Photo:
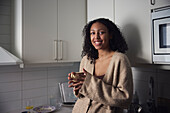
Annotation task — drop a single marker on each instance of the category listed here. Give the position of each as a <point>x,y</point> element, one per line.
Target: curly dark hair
<point>117,42</point>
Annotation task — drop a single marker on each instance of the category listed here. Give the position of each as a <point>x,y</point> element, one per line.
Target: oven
<point>161,35</point>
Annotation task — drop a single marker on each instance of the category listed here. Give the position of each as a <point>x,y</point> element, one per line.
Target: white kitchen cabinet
<point>71,20</point>
<point>159,3</point>
<point>51,30</point>
<point>100,9</point>
<point>133,19</point>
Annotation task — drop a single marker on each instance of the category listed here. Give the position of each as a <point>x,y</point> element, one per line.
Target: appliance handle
<point>152,2</point>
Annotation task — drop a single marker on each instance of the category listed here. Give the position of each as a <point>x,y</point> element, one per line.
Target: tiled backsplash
<point>38,84</point>
<point>5,24</point>
<point>141,79</point>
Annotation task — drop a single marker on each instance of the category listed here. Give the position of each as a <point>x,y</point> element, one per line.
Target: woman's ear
<point>110,36</point>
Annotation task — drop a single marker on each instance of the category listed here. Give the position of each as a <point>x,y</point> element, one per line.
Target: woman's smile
<point>98,43</point>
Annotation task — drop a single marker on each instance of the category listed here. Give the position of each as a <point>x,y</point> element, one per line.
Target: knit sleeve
<point>82,63</point>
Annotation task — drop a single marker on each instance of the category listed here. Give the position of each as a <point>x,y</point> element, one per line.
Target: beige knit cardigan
<point>111,94</point>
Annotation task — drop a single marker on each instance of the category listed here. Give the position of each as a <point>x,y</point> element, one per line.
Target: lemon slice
<point>29,107</point>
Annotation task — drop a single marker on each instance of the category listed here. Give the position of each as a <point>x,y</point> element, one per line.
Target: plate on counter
<point>44,109</point>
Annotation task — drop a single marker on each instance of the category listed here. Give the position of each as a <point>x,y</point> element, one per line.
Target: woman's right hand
<point>77,81</point>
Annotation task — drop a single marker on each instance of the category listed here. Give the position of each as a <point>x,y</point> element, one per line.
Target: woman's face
<point>99,36</point>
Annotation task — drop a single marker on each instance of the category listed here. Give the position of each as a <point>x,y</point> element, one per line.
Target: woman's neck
<point>104,54</point>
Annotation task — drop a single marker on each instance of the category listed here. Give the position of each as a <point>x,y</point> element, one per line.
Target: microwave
<point>161,35</point>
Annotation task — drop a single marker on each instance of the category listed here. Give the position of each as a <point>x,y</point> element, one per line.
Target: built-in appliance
<point>161,35</point>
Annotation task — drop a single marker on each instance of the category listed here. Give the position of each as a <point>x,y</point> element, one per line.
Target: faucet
<point>151,101</point>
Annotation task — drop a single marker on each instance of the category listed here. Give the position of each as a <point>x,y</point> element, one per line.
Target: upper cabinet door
<point>100,9</point>
<point>133,18</point>
<point>51,30</point>
<point>71,20</point>
<point>39,30</point>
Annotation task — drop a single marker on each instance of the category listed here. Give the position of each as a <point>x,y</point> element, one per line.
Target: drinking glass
<point>29,105</point>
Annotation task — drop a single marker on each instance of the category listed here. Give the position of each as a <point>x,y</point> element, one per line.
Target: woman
<point>106,86</point>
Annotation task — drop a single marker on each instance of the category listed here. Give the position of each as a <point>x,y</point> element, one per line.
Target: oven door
<point>161,36</point>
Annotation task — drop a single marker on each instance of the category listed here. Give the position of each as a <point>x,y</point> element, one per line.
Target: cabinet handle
<point>152,2</point>
<point>61,50</point>
<point>55,50</point>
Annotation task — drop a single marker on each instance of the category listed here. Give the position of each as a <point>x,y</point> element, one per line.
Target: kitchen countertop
<point>64,109</point>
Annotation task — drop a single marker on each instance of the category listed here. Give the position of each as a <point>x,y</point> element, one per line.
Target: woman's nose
<point>97,36</point>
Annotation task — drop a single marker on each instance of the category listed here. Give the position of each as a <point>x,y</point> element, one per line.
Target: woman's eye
<point>102,32</point>
<point>92,33</point>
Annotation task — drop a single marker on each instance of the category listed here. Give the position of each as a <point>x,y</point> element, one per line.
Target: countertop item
<point>44,109</point>
<point>63,109</point>
<point>67,93</point>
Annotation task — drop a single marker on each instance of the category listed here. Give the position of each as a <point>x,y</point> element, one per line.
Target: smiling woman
<point>116,40</point>
<point>98,35</point>
<point>107,86</point>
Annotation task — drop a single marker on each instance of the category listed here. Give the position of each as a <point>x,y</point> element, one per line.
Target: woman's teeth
<point>98,43</point>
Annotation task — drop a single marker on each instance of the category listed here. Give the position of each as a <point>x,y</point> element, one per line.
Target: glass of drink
<point>29,105</point>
